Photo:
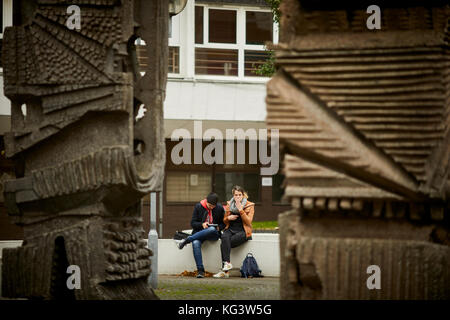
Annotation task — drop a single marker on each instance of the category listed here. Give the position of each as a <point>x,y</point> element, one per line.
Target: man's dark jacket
<point>199,216</point>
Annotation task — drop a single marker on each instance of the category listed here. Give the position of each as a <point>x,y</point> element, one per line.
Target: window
<point>187,186</point>
<point>174,60</point>
<point>225,181</point>
<point>216,62</point>
<point>174,45</point>
<point>254,59</point>
<point>259,27</point>
<point>230,42</point>
<point>6,7</point>
<point>142,57</point>
<point>193,182</point>
<point>277,187</point>
<point>192,186</point>
<point>5,21</point>
<point>222,26</point>
<point>198,24</point>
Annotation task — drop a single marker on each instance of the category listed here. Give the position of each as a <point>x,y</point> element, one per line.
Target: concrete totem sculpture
<point>364,119</point>
<point>83,162</point>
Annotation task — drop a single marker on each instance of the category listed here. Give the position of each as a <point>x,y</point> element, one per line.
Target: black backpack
<point>250,267</point>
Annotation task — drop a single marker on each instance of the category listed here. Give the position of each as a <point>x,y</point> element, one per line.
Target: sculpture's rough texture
<point>82,160</point>
<point>364,122</point>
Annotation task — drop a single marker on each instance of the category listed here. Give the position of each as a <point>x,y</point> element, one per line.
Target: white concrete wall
<point>208,100</point>
<point>5,107</point>
<point>5,104</point>
<point>265,249</point>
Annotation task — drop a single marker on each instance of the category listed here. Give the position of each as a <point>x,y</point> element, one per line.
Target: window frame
<point>7,19</point>
<point>194,171</point>
<point>174,41</point>
<point>210,169</point>
<point>240,44</point>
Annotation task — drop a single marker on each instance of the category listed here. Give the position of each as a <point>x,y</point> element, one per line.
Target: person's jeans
<point>197,239</point>
<point>231,239</point>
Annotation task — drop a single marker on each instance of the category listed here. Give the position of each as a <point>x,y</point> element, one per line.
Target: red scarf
<point>209,218</point>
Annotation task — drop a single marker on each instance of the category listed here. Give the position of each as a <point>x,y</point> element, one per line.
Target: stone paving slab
<point>233,288</point>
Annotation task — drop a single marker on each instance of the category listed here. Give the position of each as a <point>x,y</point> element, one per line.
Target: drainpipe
<point>153,242</point>
<point>161,213</point>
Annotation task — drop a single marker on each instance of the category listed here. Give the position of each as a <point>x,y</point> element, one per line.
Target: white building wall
<point>5,105</point>
<point>190,97</point>
<point>206,100</point>
<point>202,97</point>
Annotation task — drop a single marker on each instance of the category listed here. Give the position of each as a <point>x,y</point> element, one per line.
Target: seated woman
<point>238,226</point>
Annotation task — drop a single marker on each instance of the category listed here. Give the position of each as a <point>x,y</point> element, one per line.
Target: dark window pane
<point>174,60</point>
<point>1,44</point>
<point>258,27</point>
<point>253,59</point>
<point>222,26</point>
<point>216,62</point>
<point>277,187</point>
<point>198,24</point>
<point>224,182</point>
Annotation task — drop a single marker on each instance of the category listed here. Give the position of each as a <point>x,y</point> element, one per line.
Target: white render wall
<point>264,247</point>
<point>5,105</point>
<point>214,100</point>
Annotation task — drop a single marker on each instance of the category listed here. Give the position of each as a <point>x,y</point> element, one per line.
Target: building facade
<point>215,104</point>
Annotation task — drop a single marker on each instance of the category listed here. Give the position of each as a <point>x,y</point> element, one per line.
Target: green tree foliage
<point>268,68</point>
<point>275,7</point>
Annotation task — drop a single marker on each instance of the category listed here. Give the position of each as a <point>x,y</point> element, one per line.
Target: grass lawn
<point>266,225</point>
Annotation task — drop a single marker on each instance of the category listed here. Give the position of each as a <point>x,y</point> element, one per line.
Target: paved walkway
<point>233,288</point>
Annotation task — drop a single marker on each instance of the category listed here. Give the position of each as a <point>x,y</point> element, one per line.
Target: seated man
<point>207,212</point>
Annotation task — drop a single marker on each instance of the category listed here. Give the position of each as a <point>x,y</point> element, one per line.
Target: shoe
<point>227,266</point>
<point>221,274</point>
<point>182,243</point>
<point>200,274</point>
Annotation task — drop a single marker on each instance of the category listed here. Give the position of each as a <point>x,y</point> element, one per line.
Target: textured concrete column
<point>363,119</point>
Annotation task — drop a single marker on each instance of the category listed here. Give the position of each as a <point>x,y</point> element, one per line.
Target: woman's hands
<point>238,203</point>
<point>232,217</point>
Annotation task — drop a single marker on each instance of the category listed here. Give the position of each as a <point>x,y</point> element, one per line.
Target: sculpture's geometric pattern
<point>363,116</point>
<point>83,161</point>
<point>342,263</point>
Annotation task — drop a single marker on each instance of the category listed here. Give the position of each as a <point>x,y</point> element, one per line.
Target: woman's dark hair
<point>212,198</point>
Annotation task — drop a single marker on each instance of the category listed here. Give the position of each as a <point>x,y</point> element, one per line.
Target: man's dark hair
<point>212,198</point>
